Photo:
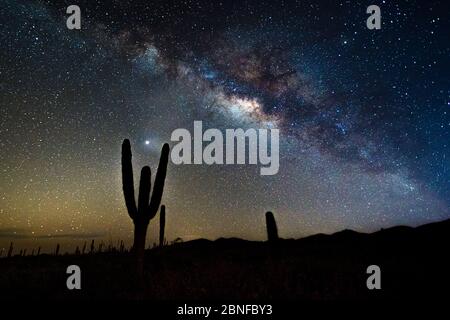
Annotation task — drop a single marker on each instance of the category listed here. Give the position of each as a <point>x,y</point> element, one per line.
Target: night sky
<point>364,115</point>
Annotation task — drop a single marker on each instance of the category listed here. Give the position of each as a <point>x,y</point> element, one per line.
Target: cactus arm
<point>127,179</point>
<point>144,192</point>
<point>159,181</point>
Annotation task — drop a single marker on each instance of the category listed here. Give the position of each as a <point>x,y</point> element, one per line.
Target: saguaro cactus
<point>272,231</point>
<point>145,210</point>
<point>162,224</point>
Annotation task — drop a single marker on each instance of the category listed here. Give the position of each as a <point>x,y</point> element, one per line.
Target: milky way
<point>363,114</point>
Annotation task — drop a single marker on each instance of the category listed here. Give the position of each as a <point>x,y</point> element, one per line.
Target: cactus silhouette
<point>272,231</point>
<point>10,251</point>
<point>162,224</point>
<point>147,206</point>
<point>57,250</point>
<point>39,251</point>
<point>92,246</point>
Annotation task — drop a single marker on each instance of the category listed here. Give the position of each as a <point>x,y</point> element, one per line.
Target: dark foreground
<point>413,264</point>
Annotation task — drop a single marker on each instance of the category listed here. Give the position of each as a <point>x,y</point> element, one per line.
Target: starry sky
<point>364,115</point>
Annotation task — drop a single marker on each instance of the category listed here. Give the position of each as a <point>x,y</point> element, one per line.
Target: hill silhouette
<point>413,264</point>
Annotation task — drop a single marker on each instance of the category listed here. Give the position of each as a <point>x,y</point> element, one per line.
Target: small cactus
<point>92,247</point>
<point>162,225</point>
<point>147,206</point>
<point>39,251</point>
<point>10,251</point>
<point>83,251</point>
<point>57,250</point>
<point>272,231</point>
